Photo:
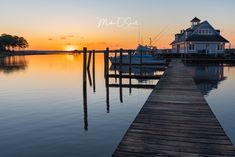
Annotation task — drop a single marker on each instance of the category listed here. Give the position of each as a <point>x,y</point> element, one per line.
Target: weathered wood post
<point>107,79</point>
<point>85,89</point>
<point>120,74</point>
<point>107,62</point>
<point>89,60</point>
<point>89,76</point>
<point>84,65</point>
<point>130,68</point>
<point>115,65</point>
<point>93,71</point>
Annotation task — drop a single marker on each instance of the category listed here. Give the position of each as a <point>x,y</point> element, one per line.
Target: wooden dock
<point>175,121</point>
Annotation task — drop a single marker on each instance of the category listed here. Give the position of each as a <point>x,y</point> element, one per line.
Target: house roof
<point>195,20</point>
<point>196,37</point>
<point>209,38</point>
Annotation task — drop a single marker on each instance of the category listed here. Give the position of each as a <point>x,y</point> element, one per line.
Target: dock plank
<point>176,121</point>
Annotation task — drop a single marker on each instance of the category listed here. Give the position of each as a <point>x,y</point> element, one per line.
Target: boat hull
<point>138,61</point>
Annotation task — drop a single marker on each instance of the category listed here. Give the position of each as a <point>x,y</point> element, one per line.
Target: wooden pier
<point>176,120</point>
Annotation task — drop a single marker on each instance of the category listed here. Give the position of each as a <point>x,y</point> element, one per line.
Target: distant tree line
<point>10,43</point>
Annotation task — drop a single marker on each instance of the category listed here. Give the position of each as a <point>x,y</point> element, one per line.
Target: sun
<point>71,48</point>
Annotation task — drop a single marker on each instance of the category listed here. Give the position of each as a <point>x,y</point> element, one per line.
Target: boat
<point>136,60</point>
<point>142,56</point>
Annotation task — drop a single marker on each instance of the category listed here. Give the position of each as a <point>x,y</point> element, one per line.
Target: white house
<point>200,38</point>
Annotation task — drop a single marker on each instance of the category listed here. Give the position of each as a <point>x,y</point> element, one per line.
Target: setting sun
<point>70,48</point>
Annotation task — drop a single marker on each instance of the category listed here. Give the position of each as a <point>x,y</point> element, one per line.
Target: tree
<point>8,42</point>
<point>22,43</point>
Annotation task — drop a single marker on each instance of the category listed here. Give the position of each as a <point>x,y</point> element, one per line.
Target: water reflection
<point>47,108</point>
<point>120,72</point>
<point>207,77</point>
<point>12,64</point>
<point>141,73</point>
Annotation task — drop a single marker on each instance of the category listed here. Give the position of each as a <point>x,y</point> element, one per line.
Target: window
<point>205,31</point>
<point>220,47</point>
<point>191,47</point>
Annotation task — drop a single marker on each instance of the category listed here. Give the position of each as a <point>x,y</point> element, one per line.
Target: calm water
<point>42,110</point>
<point>217,83</point>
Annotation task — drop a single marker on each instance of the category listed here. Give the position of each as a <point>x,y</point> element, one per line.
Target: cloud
<point>63,38</point>
<point>50,39</point>
<point>66,37</point>
<point>102,43</point>
<point>96,43</point>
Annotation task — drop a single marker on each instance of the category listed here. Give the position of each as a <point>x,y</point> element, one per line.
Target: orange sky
<point>68,25</point>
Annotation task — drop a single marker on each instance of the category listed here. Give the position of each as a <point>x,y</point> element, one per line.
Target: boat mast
<point>150,42</point>
<point>142,38</point>
<point>139,36</point>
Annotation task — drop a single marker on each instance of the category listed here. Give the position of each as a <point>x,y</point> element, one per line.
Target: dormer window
<point>205,32</point>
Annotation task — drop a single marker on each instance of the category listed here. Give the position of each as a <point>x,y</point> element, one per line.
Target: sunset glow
<point>70,25</point>
<point>70,48</point>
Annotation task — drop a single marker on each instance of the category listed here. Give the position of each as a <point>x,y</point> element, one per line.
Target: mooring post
<point>115,65</point>
<point>107,94</point>
<point>89,76</point>
<point>130,67</point>
<point>85,89</point>
<point>107,62</point>
<point>93,71</point>
<point>107,78</point>
<point>84,65</point>
<point>89,60</point>
<point>120,75</point>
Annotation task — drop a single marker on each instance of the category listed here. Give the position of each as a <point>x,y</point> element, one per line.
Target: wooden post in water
<point>89,60</point>
<point>107,79</point>
<point>115,65</point>
<point>130,68</point>
<point>89,76</point>
<point>93,71</point>
<point>107,62</point>
<point>120,75</point>
<point>88,68</point>
<point>85,89</point>
<point>84,65</point>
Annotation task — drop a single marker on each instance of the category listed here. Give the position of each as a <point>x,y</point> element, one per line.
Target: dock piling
<point>120,75</point>
<point>93,71</point>
<point>85,89</point>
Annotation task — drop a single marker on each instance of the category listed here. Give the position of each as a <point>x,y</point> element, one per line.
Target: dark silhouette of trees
<point>9,42</point>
